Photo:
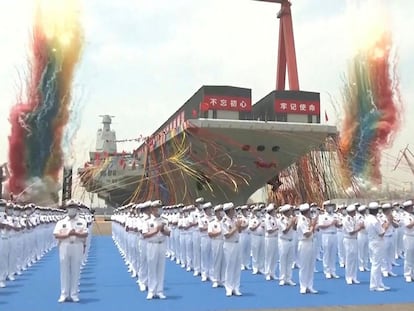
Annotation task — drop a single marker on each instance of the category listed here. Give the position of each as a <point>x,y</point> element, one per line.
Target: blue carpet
<point>106,285</point>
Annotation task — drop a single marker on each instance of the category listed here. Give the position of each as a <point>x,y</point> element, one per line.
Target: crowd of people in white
<point>217,242</point>
<point>28,232</point>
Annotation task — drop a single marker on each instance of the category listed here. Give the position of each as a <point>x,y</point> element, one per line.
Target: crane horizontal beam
<point>274,1</point>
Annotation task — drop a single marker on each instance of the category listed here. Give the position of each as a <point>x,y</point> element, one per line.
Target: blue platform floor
<point>106,285</point>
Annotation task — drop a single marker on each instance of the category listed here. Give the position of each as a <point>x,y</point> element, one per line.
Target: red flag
<point>326,117</point>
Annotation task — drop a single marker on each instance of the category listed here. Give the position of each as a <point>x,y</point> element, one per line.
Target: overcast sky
<point>143,59</point>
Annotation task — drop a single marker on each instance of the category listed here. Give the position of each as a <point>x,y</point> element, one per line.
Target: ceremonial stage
<point>106,286</point>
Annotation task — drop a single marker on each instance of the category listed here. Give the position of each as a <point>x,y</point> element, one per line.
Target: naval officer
<point>351,227</point>
<point>71,232</point>
<point>305,229</point>
<point>375,233</point>
<point>232,251</point>
<point>155,231</point>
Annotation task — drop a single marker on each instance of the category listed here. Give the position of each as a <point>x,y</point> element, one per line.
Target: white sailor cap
<point>207,205</point>
<point>342,206</point>
<point>386,206</point>
<point>256,208</point>
<point>304,207</point>
<point>408,203</point>
<point>328,203</point>
<point>71,203</point>
<point>218,208</point>
<point>396,204</point>
<point>199,200</point>
<point>284,208</point>
<point>156,203</point>
<point>270,207</point>
<point>362,208</point>
<point>244,207</point>
<point>373,205</point>
<point>228,206</point>
<point>146,204</point>
<point>351,208</point>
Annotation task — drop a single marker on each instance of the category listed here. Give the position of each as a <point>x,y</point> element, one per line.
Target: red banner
<point>232,103</point>
<point>291,106</point>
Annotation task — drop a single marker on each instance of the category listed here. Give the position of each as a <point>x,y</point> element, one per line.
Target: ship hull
<point>220,160</point>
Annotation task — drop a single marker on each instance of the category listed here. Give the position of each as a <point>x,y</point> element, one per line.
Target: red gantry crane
<point>286,59</point>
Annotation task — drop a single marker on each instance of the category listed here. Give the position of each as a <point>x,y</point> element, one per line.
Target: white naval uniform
<point>399,233</point>
<point>245,242</point>
<point>306,254</point>
<point>196,214</point>
<point>143,260</point>
<point>4,248</point>
<point>257,242</point>
<point>205,243</point>
<point>340,240</point>
<point>375,246</point>
<point>70,254</point>
<point>329,243</point>
<point>286,249</point>
<point>388,246</point>
<point>362,239</point>
<point>232,257</point>
<point>156,249</point>
<point>350,224</point>
<point>217,255</point>
<point>188,235</point>
<point>408,241</point>
<point>271,247</point>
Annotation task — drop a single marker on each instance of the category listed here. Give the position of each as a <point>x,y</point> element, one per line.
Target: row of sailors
<point>196,239</point>
<point>143,249</point>
<point>230,259</point>
<point>26,235</point>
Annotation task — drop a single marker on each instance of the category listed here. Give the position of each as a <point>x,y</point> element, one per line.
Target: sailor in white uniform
<point>143,260</point>
<point>205,241</point>
<point>196,214</point>
<point>389,240</point>
<point>328,223</point>
<point>155,230</point>
<point>351,227</point>
<point>257,232</point>
<point>306,254</point>
<point>287,228</point>
<point>71,232</point>
<point>4,243</point>
<point>408,222</point>
<point>362,239</point>
<point>341,213</point>
<point>232,251</point>
<point>215,232</point>
<point>375,232</point>
<point>271,241</point>
<point>245,241</point>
